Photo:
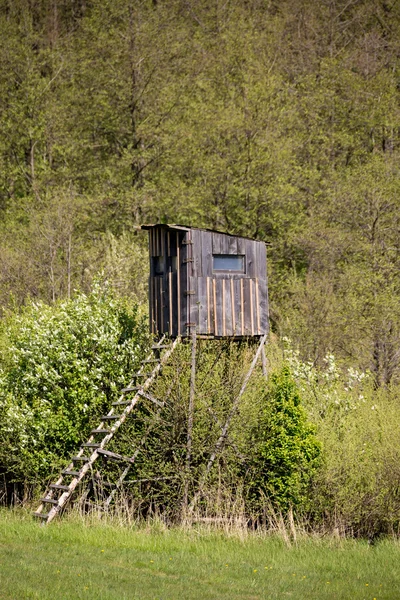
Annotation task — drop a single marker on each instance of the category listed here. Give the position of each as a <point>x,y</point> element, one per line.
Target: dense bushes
<point>323,442</point>
<point>60,367</point>
<point>270,455</point>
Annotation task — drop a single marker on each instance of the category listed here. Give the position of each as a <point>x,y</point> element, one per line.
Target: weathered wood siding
<point>185,292</point>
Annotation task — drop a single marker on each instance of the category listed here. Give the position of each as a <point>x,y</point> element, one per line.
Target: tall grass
<point>74,559</point>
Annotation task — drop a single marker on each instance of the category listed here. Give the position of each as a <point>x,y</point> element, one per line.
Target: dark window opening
<point>158,265</point>
<point>231,263</point>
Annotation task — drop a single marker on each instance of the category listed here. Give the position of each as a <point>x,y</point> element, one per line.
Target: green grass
<point>71,560</point>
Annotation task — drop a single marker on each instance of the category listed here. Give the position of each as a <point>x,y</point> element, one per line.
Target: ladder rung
<point>100,431</point>
<point>90,445</point>
<point>49,500</point>
<point>110,417</point>
<point>150,360</point>
<point>122,403</point>
<point>152,399</point>
<point>133,388</point>
<point>73,473</point>
<point>40,515</point>
<point>80,458</point>
<point>160,347</point>
<point>55,486</point>
<point>142,375</point>
<point>114,456</point>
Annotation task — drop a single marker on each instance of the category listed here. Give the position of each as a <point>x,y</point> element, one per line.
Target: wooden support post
<point>264,362</point>
<point>221,440</point>
<point>190,417</point>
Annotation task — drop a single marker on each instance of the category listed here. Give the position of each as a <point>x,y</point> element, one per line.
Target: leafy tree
<point>60,368</point>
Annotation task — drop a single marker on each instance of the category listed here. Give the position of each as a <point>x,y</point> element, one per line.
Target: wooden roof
<point>177,227</point>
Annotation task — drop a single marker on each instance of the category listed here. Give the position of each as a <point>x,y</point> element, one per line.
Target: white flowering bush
<point>60,368</point>
<point>329,387</point>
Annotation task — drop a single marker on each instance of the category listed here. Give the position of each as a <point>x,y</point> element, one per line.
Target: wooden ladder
<point>61,491</point>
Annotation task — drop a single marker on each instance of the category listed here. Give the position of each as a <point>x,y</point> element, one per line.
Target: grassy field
<point>72,560</point>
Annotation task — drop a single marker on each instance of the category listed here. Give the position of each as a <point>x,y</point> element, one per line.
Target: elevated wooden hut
<point>207,281</point>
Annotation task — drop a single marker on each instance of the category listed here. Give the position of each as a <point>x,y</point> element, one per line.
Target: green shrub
<point>60,367</point>
<point>286,452</point>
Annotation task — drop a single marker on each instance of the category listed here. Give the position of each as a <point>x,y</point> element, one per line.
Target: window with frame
<point>228,263</point>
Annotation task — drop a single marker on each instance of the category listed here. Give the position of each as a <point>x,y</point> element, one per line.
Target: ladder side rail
<point>125,472</point>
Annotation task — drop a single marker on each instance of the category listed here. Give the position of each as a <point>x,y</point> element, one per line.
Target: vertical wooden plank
<point>170,298</point>
<point>216,243</point>
<point>261,274</point>
<point>251,307</point>
<point>223,308</point>
<point>233,308</point>
<point>241,245</point>
<point>178,281</point>
<point>229,331</point>
<point>242,306</point>
<point>264,320</point>
<point>151,305</point>
<point>208,307</point>
<point>161,301</point>
<point>261,260</point>
<point>246,306</point>
<point>189,272</point>
<point>202,303</point>
<point>193,306</point>
<point>155,304</point>
<point>196,252</point>
<point>232,245</point>
<point>237,305</point>
<point>224,244</point>
<point>169,243</point>
<point>174,303</point>
<point>219,306</point>
<point>214,285</point>
<point>206,253</point>
<point>158,318</point>
<point>257,308</point>
<point>250,258</point>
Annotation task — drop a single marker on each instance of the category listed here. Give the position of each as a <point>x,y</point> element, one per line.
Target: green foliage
<point>60,367</point>
<point>356,490</point>
<point>286,453</point>
<point>273,120</point>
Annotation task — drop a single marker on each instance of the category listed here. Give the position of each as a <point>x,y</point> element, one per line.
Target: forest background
<point>277,120</point>
<point>274,120</point>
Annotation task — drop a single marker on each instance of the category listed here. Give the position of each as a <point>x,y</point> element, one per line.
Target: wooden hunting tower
<point>205,281</point>
<point>202,283</point>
